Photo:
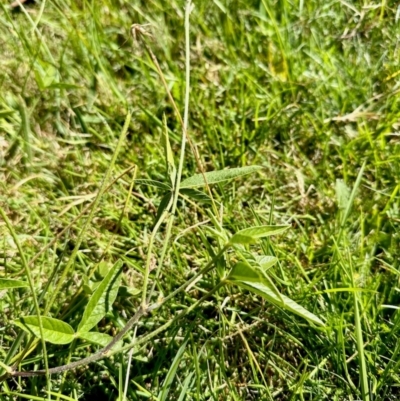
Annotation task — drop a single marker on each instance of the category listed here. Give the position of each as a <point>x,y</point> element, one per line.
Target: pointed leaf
<point>163,206</point>
<point>249,235</point>
<point>214,177</point>
<point>154,183</point>
<point>100,303</point>
<point>266,261</point>
<point>96,338</point>
<point>163,396</point>
<point>54,331</point>
<point>9,283</point>
<point>282,301</point>
<point>243,272</point>
<point>196,195</point>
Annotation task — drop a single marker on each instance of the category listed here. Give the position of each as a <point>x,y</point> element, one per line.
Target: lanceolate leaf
<point>266,261</point>
<point>154,183</point>
<point>9,283</point>
<point>196,195</point>
<point>54,331</point>
<point>96,338</point>
<point>282,301</point>
<point>249,235</point>
<point>165,202</point>
<point>243,272</point>
<point>214,177</point>
<point>102,299</point>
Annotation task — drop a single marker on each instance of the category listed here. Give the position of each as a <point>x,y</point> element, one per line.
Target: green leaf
<point>250,235</point>
<point>6,112</point>
<point>214,177</point>
<point>265,261</point>
<point>54,331</point>
<point>9,283</point>
<point>342,194</point>
<point>243,272</point>
<point>196,195</point>
<point>165,201</point>
<point>100,303</point>
<point>171,373</point>
<point>281,301</point>
<point>96,338</point>
<point>154,183</point>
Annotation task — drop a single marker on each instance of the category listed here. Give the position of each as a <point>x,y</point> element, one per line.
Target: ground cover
<point>308,91</point>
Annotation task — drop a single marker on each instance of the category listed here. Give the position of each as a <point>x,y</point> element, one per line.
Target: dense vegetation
<point>308,91</point>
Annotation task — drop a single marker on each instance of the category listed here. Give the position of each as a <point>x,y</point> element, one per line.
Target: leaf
<point>243,272</point>
<point>100,303</point>
<point>249,235</point>
<point>9,283</point>
<point>171,373</point>
<point>281,301</point>
<point>96,338</point>
<point>54,331</point>
<point>165,201</point>
<point>154,183</point>
<point>6,112</point>
<point>342,194</point>
<point>196,195</point>
<point>214,177</point>
<point>265,261</point>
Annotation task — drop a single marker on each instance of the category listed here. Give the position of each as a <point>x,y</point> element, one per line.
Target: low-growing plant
<point>233,256</point>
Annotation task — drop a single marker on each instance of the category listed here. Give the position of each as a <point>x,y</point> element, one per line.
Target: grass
<point>307,90</point>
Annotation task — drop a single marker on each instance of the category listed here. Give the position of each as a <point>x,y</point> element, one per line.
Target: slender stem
<point>150,253</point>
<point>185,125</point>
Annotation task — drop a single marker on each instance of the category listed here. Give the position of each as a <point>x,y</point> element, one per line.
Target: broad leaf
<point>281,301</point>
<point>96,338</point>
<point>214,177</point>
<point>154,183</point>
<point>100,303</point>
<point>196,195</point>
<point>265,261</point>
<point>54,331</point>
<point>250,235</point>
<point>243,272</point>
<point>9,283</point>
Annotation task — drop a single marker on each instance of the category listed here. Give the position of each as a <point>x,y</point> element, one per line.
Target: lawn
<point>201,202</point>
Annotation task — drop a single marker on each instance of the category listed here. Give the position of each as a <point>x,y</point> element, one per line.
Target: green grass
<point>307,90</point>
